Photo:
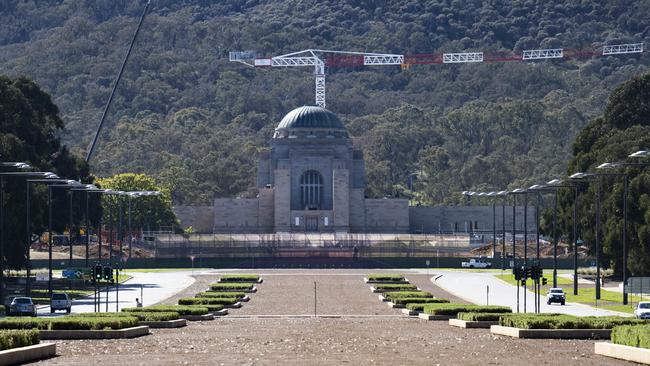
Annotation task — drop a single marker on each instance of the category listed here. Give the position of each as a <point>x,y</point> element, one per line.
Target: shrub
<point>560,321</point>
<point>69,323</point>
<point>415,307</point>
<point>478,317</point>
<point>141,316</point>
<point>17,338</point>
<point>212,308</point>
<point>3,309</point>
<point>454,309</point>
<point>632,335</point>
<point>72,293</point>
<point>237,295</point>
<point>207,301</point>
<point>231,286</point>
<point>385,277</point>
<point>395,287</point>
<point>416,300</point>
<point>240,278</point>
<point>180,309</point>
<point>406,294</point>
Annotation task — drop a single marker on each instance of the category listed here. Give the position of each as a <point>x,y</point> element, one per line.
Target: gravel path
<point>382,337</point>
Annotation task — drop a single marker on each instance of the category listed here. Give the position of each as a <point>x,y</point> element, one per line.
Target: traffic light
<point>108,273</point>
<point>97,272</point>
<point>544,281</point>
<point>529,272</point>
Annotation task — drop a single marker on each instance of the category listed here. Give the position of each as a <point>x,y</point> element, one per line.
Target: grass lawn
<point>156,270</point>
<point>609,300</point>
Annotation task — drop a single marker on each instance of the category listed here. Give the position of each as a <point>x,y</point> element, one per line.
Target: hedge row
<point>480,317</point>
<point>232,286</point>
<point>72,293</point>
<point>632,335</point>
<point>385,277</point>
<point>69,323</point>
<point>207,301</point>
<point>180,309</point>
<point>151,316</point>
<point>237,295</point>
<point>395,287</point>
<point>417,300</point>
<point>17,338</point>
<point>454,309</point>
<point>406,294</point>
<point>240,278</point>
<point>560,321</point>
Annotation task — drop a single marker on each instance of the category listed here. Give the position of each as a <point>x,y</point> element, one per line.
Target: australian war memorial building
<point>312,179</point>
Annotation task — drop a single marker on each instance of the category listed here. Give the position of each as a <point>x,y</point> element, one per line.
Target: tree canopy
<point>623,129</point>
<point>29,132</point>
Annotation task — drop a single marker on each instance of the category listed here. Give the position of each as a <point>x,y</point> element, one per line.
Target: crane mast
<point>319,59</point>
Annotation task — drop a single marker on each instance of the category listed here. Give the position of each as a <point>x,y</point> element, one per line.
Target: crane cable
<point>117,82</point>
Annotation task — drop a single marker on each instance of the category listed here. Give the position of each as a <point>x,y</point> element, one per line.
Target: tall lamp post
<point>557,184</point>
<point>638,154</point>
<point>504,195</point>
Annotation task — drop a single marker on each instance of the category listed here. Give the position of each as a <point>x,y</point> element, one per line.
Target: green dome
<point>310,117</point>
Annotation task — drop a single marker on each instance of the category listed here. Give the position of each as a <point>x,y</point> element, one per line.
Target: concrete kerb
<point>435,317</point>
<point>177,323</point>
<point>395,306</point>
<point>403,282</point>
<point>484,324</point>
<point>132,332</point>
<point>26,354</point>
<point>410,312</point>
<point>551,333</point>
<point>221,312</point>
<point>198,318</point>
<point>628,353</point>
<point>236,305</point>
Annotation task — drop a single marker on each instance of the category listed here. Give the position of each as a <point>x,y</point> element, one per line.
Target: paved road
<point>472,287</point>
<point>154,286</point>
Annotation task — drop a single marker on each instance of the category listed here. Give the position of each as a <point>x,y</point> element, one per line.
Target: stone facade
<point>311,179</point>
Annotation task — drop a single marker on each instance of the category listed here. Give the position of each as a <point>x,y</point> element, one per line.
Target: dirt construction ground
<point>277,327</point>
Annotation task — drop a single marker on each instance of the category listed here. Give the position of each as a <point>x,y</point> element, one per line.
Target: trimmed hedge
<point>211,308</point>
<point>207,301</point>
<point>3,309</point>
<point>480,317</point>
<point>395,287</point>
<point>385,277</point>
<point>151,316</point>
<point>17,338</point>
<point>237,295</point>
<point>417,300</point>
<point>240,278</point>
<point>180,309</point>
<point>72,293</point>
<point>406,294</point>
<point>454,309</point>
<point>232,286</point>
<point>69,323</point>
<point>560,321</point>
<point>632,335</point>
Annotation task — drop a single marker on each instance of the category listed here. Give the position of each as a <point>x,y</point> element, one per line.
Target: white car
<point>555,294</point>
<point>476,263</point>
<point>60,301</point>
<point>642,310</point>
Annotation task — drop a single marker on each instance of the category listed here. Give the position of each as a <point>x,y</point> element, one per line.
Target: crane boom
<point>319,59</point>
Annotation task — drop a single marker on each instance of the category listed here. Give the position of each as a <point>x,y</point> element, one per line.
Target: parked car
<point>60,301</point>
<point>476,263</point>
<point>22,306</point>
<point>642,310</point>
<point>555,294</point>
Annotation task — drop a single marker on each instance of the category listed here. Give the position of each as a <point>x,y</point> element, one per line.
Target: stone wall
<point>387,215</point>
<point>466,219</point>
<point>200,218</point>
<point>236,215</point>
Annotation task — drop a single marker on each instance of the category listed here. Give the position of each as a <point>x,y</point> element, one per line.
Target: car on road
<point>476,263</point>
<point>60,301</point>
<point>22,306</point>
<point>555,294</point>
<point>642,310</point>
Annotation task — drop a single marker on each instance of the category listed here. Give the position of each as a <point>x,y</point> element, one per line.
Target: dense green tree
<point>29,132</point>
<point>147,212</point>
<point>624,128</point>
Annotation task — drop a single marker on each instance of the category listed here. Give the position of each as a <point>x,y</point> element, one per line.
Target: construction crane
<point>320,59</point>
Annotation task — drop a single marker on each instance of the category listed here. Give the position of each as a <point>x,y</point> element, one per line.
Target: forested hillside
<point>186,115</point>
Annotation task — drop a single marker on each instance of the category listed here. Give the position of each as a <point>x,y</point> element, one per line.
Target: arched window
<point>311,190</point>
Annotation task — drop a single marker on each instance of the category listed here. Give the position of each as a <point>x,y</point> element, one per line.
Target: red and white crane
<point>320,59</point>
